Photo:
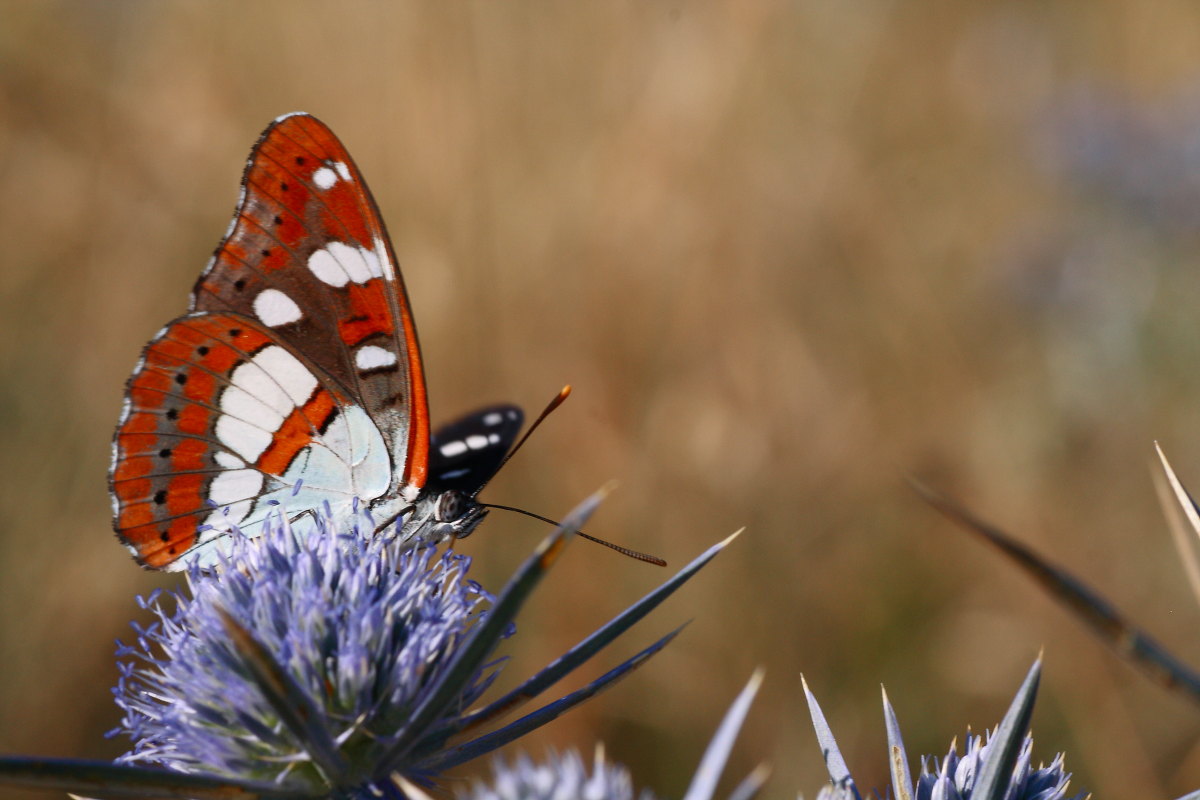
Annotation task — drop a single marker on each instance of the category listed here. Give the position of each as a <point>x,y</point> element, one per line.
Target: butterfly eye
<point>449,506</point>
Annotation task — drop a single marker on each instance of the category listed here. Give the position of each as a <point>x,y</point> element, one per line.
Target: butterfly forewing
<point>308,257</point>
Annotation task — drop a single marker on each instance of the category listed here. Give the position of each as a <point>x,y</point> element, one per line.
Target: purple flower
<point>562,775</point>
<point>998,769</point>
<point>567,776</point>
<point>337,665</point>
<point>955,777</point>
<point>362,626</point>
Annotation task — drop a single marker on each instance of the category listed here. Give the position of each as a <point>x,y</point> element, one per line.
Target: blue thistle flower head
<point>567,776</point>
<point>334,666</point>
<point>360,625</point>
<point>955,777</point>
<point>331,666</point>
<point>995,768</point>
<point>832,791</point>
<point>560,775</point>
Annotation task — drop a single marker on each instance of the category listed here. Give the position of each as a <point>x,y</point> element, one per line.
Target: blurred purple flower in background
<point>1112,235</point>
<point>1128,156</point>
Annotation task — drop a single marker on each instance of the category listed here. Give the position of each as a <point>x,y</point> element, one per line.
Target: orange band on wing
<point>296,432</point>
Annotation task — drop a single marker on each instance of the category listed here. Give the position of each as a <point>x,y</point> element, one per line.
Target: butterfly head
<point>441,515</point>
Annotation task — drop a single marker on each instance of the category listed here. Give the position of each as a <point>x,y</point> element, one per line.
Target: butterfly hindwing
<point>222,420</point>
<point>465,454</point>
<point>307,255</point>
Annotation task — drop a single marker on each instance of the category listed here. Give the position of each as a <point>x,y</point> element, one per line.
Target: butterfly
<point>295,379</point>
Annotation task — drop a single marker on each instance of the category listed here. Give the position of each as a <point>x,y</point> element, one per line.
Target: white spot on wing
<point>452,449</point>
<point>237,402</point>
<point>342,170</point>
<point>386,268</point>
<point>477,441</point>
<point>339,263</point>
<point>245,439</point>
<point>374,357</point>
<point>234,485</point>
<point>362,264</point>
<point>292,376</point>
<point>275,308</point>
<point>228,460</point>
<point>494,418</point>
<point>493,438</point>
<point>325,178</point>
<point>324,264</point>
<point>256,382</point>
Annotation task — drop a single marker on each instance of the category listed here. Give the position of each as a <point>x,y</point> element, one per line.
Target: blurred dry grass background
<point>785,251</point>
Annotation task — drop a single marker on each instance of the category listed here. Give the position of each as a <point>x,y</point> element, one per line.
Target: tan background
<point>786,252</point>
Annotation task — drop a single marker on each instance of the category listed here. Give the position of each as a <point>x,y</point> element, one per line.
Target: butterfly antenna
<point>562,395</point>
<point>625,551</point>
